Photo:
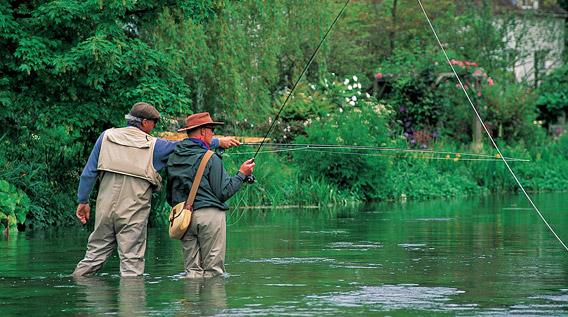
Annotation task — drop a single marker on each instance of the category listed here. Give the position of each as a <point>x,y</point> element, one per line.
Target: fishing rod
<point>378,148</point>
<point>251,179</point>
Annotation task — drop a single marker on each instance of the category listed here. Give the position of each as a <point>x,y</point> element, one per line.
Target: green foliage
<point>511,113</point>
<point>552,99</point>
<point>362,124</point>
<point>43,166</point>
<point>420,179</point>
<point>14,205</point>
<point>71,70</point>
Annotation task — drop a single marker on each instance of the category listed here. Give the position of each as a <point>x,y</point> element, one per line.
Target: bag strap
<point>197,180</point>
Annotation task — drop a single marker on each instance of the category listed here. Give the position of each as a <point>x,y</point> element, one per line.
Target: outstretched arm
<point>225,142</point>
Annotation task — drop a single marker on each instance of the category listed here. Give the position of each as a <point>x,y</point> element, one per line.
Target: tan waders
<point>204,243</point>
<point>123,206</point>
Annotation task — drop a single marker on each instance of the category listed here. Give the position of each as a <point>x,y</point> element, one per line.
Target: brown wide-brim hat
<point>198,119</point>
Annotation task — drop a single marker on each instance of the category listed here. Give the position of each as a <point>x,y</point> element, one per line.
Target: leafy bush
<point>552,95</point>
<point>43,165</point>
<point>363,124</point>
<point>14,205</point>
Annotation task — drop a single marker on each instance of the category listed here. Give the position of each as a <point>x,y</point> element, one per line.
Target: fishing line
<point>447,157</point>
<point>380,148</point>
<point>413,157</point>
<point>485,128</point>
<point>300,77</point>
<point>236,207</point>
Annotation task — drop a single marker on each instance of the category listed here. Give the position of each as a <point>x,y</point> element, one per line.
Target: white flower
<point>340,109</point>
<point>313,87</point>
<point>346,82</point>
<point>368,96</point>
<point>359,84</point>
<point>352,103</point>
<point>350,87</point>
<point>347,100</point>
<point>355,78</point>
<point>359,93</point>
<point>354,98</point>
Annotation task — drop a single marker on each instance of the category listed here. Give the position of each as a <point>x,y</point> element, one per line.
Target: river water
<point>485,255</point>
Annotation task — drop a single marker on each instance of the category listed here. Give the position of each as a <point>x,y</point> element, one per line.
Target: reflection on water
<point>475,256</point>
<point>102,297</point>
<point>392,297</point>
<point>205,297</point>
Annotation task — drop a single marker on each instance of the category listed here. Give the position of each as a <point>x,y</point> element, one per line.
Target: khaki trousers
<point>123,207</point>
<point>204,243</point>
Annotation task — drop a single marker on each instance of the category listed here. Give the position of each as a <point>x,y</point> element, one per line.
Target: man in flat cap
<point>204,242</point>
<point>128,160</point>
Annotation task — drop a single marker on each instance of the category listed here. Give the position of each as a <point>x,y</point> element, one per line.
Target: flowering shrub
<point>311,102</point>
<point>356,121</point>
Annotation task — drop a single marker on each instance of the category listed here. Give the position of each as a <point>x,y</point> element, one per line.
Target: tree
<point>82,64</point>
<point>70,69</point>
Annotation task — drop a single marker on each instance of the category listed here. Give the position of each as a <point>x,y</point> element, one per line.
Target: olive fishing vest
<point>129,151</point>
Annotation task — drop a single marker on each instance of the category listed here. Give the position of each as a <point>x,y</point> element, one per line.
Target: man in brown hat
<point>128,160</point>
<point>204,242</point>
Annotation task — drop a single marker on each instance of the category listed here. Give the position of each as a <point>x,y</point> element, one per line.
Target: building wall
<point>539,44</point>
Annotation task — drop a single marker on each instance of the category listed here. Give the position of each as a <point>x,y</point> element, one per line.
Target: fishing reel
<point>250,179</point>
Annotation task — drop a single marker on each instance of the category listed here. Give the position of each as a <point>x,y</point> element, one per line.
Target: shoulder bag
<point>180,216</point>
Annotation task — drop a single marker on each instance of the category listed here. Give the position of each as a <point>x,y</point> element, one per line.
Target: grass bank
<point>281,180</point>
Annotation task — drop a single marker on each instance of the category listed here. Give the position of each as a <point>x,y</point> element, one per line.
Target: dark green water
<point>490,255</point>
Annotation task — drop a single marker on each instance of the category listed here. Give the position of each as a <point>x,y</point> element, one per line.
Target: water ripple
<point>392,297</point>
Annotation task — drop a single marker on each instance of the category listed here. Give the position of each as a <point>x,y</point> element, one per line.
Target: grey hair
<point>133,121</point>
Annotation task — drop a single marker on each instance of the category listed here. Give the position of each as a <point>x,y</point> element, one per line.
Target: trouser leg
<point>131,225</point>
<point>191,252</point>
<point>213,244</point>
<point>100,246</point>
<point>132,248</point>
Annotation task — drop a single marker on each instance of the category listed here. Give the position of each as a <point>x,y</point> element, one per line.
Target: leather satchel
<point>180,216</point>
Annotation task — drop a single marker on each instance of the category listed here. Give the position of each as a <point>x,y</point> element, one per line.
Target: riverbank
<point>281,180</point>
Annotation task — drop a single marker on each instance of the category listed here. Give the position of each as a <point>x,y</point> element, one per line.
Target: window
<point>526,4</point>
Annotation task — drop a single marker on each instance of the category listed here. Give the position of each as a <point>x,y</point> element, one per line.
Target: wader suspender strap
<point>197,180</point>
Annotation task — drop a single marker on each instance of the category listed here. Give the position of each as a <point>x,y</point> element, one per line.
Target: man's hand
<point>228,142</point>
<point>247,167</point>
<point>83,211</point>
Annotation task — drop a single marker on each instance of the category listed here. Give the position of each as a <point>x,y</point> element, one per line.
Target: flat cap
<point>144,110</point>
